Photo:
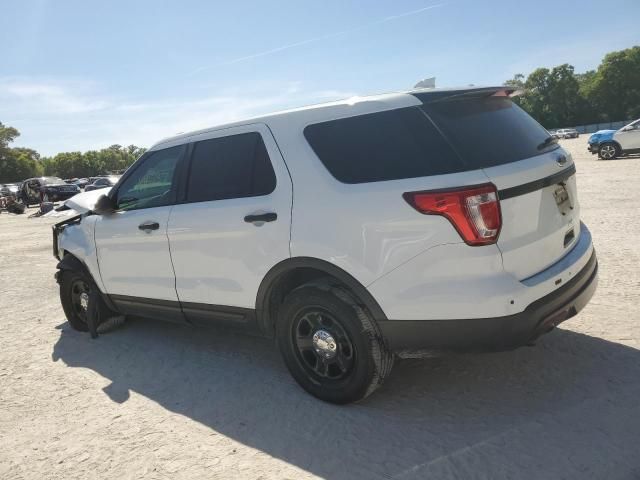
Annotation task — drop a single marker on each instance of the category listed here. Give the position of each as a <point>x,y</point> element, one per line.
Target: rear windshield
<point>389,145</point>
<point>437,138</point>
<point>489,131</point>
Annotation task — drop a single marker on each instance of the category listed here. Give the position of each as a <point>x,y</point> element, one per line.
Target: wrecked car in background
<point>45,189</point>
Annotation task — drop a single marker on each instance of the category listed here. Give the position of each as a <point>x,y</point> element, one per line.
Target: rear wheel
<point>608,151</point>
<point>331,346</point>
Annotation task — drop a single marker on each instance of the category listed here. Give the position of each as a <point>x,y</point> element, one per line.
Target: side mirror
<point>104,206</point>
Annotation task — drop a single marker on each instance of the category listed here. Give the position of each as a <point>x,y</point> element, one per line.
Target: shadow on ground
<point>567,408</point>
<point>631,156</point>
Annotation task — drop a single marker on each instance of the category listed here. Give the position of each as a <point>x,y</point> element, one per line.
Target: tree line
<point>19,163</point>
<point>559,97</point>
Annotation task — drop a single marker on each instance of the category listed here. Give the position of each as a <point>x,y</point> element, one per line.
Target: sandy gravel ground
<point>155,400</point>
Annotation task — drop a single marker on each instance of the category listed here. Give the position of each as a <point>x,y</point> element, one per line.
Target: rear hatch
<point>534,176</point>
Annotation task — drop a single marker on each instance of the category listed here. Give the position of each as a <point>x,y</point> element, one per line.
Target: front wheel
<point>608,151</point>
<point>330,345</point>
<point>75,289</point>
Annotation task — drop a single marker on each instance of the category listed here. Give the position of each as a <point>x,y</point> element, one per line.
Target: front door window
<point>152,183</point>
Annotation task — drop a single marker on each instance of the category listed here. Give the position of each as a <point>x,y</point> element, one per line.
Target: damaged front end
<point>85,204</point>
<point>59,227</point>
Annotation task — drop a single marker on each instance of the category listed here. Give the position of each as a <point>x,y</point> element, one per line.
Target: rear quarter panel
<point>366,229</point>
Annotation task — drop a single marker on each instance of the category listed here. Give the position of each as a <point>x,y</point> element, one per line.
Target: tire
<point>608,151</point>
<point>73,284</point>
<point>345,366</point>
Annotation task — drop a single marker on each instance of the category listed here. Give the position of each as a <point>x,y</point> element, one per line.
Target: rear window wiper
<point>547,141</point>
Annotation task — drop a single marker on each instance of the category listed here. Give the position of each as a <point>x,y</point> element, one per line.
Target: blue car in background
<point>609,144</point>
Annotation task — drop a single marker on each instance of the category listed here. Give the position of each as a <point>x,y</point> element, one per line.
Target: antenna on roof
<point>426,83</point>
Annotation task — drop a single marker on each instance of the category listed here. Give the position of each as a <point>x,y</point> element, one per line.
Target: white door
<point>234,223</point>
<point>132,245</point>
<point>629,137</point>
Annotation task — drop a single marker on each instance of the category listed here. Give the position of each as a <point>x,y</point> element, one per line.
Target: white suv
<point>399,224</point>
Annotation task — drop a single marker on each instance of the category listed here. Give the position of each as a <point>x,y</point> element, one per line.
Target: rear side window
<point>389,145</point>
<point>230,167</point>
<point>488,131</point>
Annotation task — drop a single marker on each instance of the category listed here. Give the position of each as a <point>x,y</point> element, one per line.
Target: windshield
<point>52,180</point>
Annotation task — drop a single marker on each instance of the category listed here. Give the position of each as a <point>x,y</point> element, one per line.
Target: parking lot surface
<point>163,401</point>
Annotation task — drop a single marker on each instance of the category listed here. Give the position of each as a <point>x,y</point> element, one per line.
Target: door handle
<point>261,217</point>
<point>148,226</point>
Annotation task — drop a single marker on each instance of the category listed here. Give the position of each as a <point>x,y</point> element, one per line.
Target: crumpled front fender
<point>77,239</point>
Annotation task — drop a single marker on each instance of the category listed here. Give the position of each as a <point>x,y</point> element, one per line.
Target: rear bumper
<point>498,333</point>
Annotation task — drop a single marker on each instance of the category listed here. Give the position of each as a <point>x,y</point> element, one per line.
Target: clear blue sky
<point>76,75</point>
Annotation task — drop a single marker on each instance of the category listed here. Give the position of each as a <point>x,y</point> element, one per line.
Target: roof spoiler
<point>432,96</point>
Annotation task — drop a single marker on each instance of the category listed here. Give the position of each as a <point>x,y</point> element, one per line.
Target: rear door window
<point>235,166</point>
<point>395,144</point>
<point>489,131</point>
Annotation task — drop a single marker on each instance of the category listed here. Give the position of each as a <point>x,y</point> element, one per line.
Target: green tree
<point>92,162</point>
<point>537,92</point>
<point>614,88</point>
<point>16,164</point>
<point>569,106</point>
<point>7,135</point>
<point>559,97</point>
<point>585,80</point>
<point>517,81</point>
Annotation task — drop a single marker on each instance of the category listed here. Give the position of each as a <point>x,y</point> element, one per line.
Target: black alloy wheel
<point>80,299</point>
<point>324,348</point>
<point>330,343</point>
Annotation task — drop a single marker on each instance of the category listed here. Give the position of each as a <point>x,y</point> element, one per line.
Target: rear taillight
<point>473,211</point>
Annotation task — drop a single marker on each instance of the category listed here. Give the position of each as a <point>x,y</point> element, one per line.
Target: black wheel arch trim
<point>72,263</point>
<point>270,280</point>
